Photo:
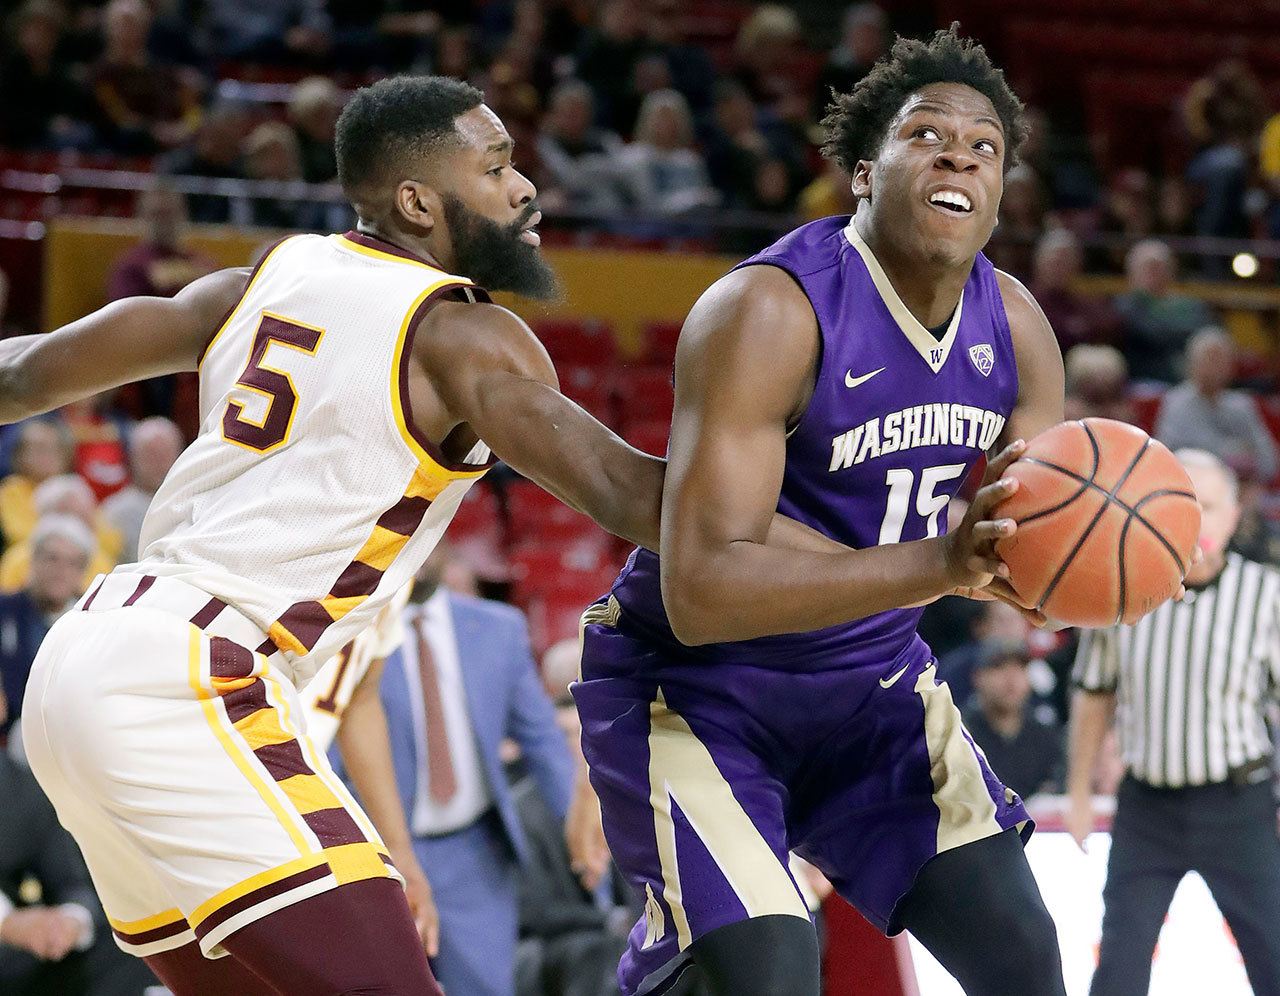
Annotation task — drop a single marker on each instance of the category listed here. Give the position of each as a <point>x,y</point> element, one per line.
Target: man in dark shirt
<point>1025,752</point>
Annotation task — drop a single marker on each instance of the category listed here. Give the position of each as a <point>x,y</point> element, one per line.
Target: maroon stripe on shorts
<point>94,594</point>
<point>334,827</point>
<point>405,515</point>
<point>146,582</point>
<point>251,899</point>
<point>155,934</point>
<point>212,609</point>
<point>267,647</point>
<point>245,701</point>
<point>283,760</point>
<point>228,659</point>
<point>358,579</point>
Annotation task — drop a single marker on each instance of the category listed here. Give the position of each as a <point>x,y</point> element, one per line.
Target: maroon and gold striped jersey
<point>308,498</point>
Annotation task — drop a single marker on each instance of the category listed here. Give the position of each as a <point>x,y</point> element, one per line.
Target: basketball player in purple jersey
<point>738,701</point>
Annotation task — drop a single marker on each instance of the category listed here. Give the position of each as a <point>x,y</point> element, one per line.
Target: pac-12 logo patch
<point>983,358</point>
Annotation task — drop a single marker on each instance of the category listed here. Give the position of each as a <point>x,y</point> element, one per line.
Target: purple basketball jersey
<point>897,420</point>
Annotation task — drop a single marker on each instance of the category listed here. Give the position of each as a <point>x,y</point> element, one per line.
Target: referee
<point>1191,681</point>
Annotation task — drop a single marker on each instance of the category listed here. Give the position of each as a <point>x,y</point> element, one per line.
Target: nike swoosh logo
<point>890,682</point>
<point>851,381</point>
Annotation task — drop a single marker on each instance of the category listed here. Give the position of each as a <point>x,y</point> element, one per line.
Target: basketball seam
<point>1136,514</point>
<point>1110,496</point>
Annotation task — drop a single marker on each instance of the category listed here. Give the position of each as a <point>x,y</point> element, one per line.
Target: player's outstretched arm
<point>490,371</point>
<point>129,340</point>
<point>744,367</point>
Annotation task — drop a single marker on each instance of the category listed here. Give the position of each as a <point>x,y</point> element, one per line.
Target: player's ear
<point>418,204</point>
<point>862,179</point>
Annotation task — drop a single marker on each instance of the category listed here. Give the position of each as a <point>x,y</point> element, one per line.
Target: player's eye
<point>925,131</point>
<point>497,171</point>
<point>990,145</point>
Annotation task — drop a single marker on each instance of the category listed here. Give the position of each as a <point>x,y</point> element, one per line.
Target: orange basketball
<point>1107,523</point>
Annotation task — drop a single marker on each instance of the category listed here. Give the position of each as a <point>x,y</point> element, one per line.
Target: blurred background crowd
<point>1143,216</point>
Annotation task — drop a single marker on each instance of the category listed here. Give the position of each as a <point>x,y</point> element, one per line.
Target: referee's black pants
<point>1227,834</point>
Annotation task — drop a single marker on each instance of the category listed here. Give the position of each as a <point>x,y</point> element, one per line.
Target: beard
<point>495,256</point>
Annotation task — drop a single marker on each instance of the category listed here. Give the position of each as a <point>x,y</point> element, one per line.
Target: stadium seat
<point>660,343</point>
<point>644,394</point>
<point>589,387</point>
<point>650,436</point>
<point>585,342</point>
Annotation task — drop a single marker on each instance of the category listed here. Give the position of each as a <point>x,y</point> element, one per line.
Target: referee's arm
<point>1092,706</point>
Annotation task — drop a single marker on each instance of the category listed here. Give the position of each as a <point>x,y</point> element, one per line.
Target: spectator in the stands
<point>1022,220</point>
<point>67,495</point>
<point>1224,113</point>
<point>830,193</point>
<point>289,31</point>
<point>42,451</point>
<point>61,547</point>
<point>608,57</point>
<point>43,106</point>
<point>1173,208</point>
<point>664,171</point>
<point>570,937</point>
<point>54,938</point>
<point>143,106</point>
<point>1127,212</point>
<point>1158,321</point>
<point>1097,383</point>
<point>771,189</point>
<point>154,444</point>
<point>214,153</point>
<point>864,38</point>
<point>579,161</point>
<point>1024,751</point>
<point>158,266</point>
<point>1203,413</point>
<point>98,430</point>
<point>313,112</point>
<point>762,53</point>
<point>7,326</point>
<point>741,137</point>
<point>272,152</point>
<point>997,622</point>
<point>1076,318</point>
<point>691,70</point>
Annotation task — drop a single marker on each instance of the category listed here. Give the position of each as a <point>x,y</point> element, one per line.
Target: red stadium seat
<point>650,436</point>
<point>1146,408</point>
<point>589,387</point>
<point>586,342</point>
<point>644,394</point>
<point>660,343</point>
<point>478,514</point>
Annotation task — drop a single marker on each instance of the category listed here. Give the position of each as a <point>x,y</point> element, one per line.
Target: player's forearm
<point>362,738</point>
<point>743,589</point>
<point>1090,718</point>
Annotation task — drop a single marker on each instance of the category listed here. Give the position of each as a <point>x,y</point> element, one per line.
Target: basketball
<point>1107,523</point>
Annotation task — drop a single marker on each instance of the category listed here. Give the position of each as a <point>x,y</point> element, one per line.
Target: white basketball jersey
<point>308,499</point>
<point>326,699</point>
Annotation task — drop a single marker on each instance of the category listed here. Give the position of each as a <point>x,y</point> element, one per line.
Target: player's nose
<point>957,159</point>
<point>523,190</point>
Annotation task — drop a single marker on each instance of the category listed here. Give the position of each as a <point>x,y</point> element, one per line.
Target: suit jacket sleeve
<point>531,722</point>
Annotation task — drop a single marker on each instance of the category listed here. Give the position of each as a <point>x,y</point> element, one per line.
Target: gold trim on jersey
<point>391,257</point>
<point>244,295</point>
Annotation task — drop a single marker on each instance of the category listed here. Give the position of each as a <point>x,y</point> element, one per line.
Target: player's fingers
<point>1003,590</point>
<point>990,530</point>
<point>1006,456</point>
<point>991,495</point>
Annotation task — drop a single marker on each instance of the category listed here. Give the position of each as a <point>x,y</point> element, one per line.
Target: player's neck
<point>413,246</point>
<point>930,289</point>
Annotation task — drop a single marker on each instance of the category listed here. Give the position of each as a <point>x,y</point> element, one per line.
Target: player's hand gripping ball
<point>1107,523</point>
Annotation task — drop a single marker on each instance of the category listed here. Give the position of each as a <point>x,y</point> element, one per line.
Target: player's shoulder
<point>1028,323</point>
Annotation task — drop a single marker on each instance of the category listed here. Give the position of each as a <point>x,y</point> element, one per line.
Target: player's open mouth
<point>951,200</point>
<point>530,235</point>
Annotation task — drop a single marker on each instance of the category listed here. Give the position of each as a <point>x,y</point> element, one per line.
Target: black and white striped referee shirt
<point>1191,679</point>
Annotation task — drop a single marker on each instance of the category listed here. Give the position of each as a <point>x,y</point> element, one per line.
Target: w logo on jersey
<point>935,357</point>
<point>983,358</point>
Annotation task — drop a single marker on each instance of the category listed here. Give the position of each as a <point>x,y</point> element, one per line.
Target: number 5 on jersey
<point>929,506</point>
<point>273,384</point>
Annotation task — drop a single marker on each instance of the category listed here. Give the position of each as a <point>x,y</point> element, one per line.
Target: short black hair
<point>402,115</point>
<point>857,121</point>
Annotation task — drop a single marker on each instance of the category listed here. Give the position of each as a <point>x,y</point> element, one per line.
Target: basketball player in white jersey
<point>346,385</point>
